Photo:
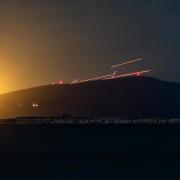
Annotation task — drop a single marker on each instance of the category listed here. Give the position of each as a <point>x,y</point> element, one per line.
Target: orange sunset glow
<point>7,82</point>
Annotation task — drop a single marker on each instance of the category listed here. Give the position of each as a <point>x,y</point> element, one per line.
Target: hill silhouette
<point>126,97</point>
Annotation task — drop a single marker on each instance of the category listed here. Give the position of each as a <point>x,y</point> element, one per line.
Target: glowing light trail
<point>96,78</point>
<point>128,62</point>
<point>114,74</point>
<point>75,81</point>
<point>130,74</point>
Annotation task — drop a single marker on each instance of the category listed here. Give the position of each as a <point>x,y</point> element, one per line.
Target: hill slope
<point>130,97</point>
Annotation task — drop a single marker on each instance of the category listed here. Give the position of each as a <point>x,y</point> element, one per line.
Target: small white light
<point>35,105</point>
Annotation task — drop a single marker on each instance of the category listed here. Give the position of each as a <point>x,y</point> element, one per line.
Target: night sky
<point>45,40</point>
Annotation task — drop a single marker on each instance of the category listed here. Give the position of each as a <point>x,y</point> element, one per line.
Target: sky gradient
<point>45,40</point>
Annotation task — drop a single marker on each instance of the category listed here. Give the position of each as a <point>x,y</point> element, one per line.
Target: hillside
<point>126,97</point>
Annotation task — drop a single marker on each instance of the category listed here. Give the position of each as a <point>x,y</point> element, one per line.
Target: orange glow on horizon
<point>5,84</point>
<point>8,80</point>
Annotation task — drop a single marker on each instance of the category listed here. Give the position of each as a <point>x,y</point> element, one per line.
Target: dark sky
<point>45,40</point>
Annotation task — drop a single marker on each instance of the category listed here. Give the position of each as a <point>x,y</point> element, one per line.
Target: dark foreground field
<point>52,152</point>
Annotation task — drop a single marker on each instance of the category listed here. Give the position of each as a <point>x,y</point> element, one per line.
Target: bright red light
<point>138,74</point>
<point>60,82</point>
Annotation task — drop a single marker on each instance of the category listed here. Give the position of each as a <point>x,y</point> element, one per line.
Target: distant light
<point>20,105</point>
<point>35,105</point>
<point>58,82</point>
<point>61,82</point>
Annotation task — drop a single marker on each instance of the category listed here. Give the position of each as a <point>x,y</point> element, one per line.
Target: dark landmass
<point>140,97</point>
